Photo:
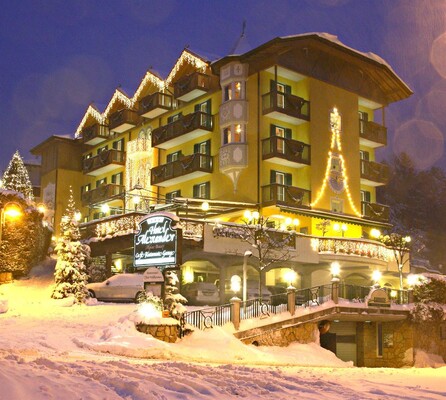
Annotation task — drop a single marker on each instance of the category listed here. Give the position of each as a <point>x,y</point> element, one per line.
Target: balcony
<point>192,86</point>
<point>373,173</point>
<point>282,195</point>
<point>102,193</point>
<point>286,107</point>
<point>95,134</point>
<point>375,212</point>
<point>173,134</point>
<point>372,134</point>
<point>190,167</point>
<point>291,153</point>
<point>123,120</point>
<point>154,105</point>
<point>104,162</point>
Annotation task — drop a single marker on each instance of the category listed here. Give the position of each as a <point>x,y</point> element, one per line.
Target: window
<point>363,155</point>
<point>86,188</point>
<point>281,90</point>
<point>118,145</point>
<point>282,180</point>
<point>174,118</point>
<point>171,195</point>
<point>204,107</point>
<point>174,156</point>
<point>233,91</point>
<point>101,149</point>
<point>203,147</point>
<point>365,198</point>
<point>117,179</point>
<point>363,118</point>
<point>101,182</point>
<point>379,339</point>
<point>202,190</point>
<point>280,132</point>
<point>234,134</point>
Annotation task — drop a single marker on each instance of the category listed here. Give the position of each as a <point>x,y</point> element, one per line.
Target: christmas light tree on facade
<point>16,177</point>
<point>336,172</point>
<point>70,273</point>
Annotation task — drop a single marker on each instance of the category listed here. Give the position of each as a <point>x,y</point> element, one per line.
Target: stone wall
<point>304,333</point>
<point>398,343</point>
<point>428,337</point>
<point>166,333</point>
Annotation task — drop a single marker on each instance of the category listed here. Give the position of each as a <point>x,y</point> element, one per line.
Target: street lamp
<point>245,275</point>
<point>340,228</point>
<point>376,277</point>
<point>290,276</point>
<point>11,211</point>
<point>335,269</point>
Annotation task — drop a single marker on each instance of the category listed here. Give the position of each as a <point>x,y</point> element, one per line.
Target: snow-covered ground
<point>50,350</point>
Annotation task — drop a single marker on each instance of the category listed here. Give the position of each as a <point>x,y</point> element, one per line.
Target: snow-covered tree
<point>173,300</point>
<point>70,273</point>
<point>429,296</point>
<point>16,177</point>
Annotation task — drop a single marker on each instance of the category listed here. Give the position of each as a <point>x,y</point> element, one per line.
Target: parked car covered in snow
<point>121,287</point>
<point>201,293</point>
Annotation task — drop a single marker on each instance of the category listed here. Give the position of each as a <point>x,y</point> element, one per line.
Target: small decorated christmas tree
<point>16,177</point>
<point>173,300</point>
<point>70,273</point>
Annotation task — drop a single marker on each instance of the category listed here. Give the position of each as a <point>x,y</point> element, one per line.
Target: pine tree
<point>16,177</point>
<point>70,273</point>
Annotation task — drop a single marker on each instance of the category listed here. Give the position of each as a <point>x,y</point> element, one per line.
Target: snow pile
<point>423,360</point>
<point>3,305</point>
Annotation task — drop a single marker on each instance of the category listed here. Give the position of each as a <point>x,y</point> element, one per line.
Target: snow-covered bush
<point>427,312</point>
<point>97,269</point>
<point>25,240</point>
<point>70,273</point>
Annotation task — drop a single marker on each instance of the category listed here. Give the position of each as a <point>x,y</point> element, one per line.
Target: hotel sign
<point>156,242</point>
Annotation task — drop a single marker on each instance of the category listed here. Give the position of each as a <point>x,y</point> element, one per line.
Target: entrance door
<point>328,341</point>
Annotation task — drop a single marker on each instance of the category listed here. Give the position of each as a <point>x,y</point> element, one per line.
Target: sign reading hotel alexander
<point>156,242</point>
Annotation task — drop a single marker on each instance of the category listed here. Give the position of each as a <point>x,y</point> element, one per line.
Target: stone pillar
<point>335,290</point>
<point>291,300</point>
<point>235,312</point>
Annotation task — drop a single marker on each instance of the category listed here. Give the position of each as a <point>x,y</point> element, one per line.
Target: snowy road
<point>50,351</point>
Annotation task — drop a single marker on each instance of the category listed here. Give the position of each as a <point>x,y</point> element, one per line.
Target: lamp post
<point>245,276</point>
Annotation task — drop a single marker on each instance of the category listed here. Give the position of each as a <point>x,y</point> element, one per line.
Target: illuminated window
<point>101,182</point>
<point>233,91</point>
<point>101,149</point>
<point>234,134</point>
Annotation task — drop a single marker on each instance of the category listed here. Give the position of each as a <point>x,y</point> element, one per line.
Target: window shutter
<point>287,89</point>
<point>272,130</point>
<point>272,178</point>
<point>208,190</point>
<point>288,179</point>
<point>195,191</point>
<point>196,148</point>
<point>208,147</point>
<point>273,85</point>
<point>288,133</point>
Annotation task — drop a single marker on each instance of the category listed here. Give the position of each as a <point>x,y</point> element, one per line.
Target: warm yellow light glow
<point>77,216</point>
<point>393,294</point>
<point>205,206</point>
<point>236,283</point>
<point>41,208</point>
<point>12,211</point>
<point>188,276</point>
<point>407,239</point>
<point>247,215</point>
<point>290,276</point>
<point>118,265</point>
<point>336,227</point>
<point>136,200</point>
<point>256,215</point>
<point>53,238</point>
<point>148,310</point>
<point>376,276</point>
<point>105,208</point>
<point>375,233</point>
<point>335,268</point>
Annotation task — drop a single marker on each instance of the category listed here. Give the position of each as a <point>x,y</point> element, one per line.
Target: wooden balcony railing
<point>285,195</point>
<point>375,211</point>
<point>287,149</point>
<point>154,105</point>
<point>288,104</point>
<point>185,124</point>
<point>102,193</point>
<point>373,132</point>
<point>103,160</point>
<point>95,134</point>
<point>375,172</point>
<point>194,82</point>
<point>123,120</point>
<point>187,165</point>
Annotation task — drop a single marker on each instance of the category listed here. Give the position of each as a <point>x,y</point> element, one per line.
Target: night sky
<point>56,57</point>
